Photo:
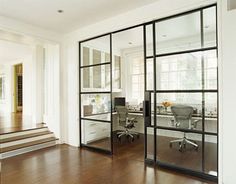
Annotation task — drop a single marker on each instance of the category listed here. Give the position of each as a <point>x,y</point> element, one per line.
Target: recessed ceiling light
<point>60,11</point>
<point>130,43</point>
<point>164,35</point>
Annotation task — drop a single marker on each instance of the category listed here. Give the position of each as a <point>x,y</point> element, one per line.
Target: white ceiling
<point>11,52</point>
<point>77,13</point>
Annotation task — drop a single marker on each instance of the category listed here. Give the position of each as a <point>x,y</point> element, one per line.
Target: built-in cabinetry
<point>98,77</point>
<point>95,131</point>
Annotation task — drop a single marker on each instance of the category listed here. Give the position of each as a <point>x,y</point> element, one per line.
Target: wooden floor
<point>16,122</point>
<point>189,158</point>
<point>64,164</point>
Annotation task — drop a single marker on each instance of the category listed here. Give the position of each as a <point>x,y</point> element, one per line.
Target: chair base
<point>183,142</point>
<point>127,133</point>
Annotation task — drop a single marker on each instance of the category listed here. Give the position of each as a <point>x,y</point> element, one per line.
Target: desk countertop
<point>164,115</point>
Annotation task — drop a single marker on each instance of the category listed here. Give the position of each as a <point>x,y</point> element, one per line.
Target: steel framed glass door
<point>95,98</point>
<point>181,70</point>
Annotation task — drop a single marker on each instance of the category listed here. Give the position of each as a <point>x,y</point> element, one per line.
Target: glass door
<point>95,93</point>
<point>181,92</point>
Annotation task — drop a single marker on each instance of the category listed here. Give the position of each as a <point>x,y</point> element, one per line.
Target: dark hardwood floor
<point>64,164</point>
<point>15,122</point>
<point>189,158</point>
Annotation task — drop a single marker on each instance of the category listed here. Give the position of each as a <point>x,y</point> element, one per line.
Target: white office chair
<point>183,119</point>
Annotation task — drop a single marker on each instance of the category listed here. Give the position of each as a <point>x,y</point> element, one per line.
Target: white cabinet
<point>94,131</point>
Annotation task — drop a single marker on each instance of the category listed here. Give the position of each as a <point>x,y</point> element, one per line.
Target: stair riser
<point>13,143</point>
<point>27,149</point>
<point>15,134</point>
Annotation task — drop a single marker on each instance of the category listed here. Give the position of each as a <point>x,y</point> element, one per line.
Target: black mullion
<point>154,87</point>
<point>145,59</point>
<point>80,136</point>
<point>99,64</point>
<point>95,92</point>
<point>96,149</point>
<point>185,51</point>
<point>111,127</point>
<point>203,93</point>
<point>97,120</point>
<point>217,93</point>
<point>187,91</point>
<point>95,37</point>
<point>145,88</point>
<point>210,133</point>
<point>180,129</point>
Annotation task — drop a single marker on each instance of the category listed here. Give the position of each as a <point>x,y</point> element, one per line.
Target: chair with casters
<point>183,119</point>
<point>126,122</point>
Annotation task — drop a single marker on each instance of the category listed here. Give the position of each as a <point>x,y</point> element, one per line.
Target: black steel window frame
<point>202,91</point>
<point>153,22</point>
<point>81,67</point>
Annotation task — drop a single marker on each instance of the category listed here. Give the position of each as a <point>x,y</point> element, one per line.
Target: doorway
<point>18,88</point>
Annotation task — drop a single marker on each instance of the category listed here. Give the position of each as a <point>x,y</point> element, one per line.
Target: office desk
<point>96,130</point>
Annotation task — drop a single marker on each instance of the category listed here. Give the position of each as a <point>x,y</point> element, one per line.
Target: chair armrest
<point>131,119</point>
<point>194,123</point>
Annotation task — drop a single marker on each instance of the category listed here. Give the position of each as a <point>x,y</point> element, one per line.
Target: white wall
<point>6,105</point>
<point>228,92</point>
<point>51,109</point>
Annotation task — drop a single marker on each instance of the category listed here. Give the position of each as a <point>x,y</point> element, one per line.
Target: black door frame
<point>155,127</point>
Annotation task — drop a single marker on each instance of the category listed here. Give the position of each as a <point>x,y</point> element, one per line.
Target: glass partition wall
<point>95,93</point>
<point>180,70</point>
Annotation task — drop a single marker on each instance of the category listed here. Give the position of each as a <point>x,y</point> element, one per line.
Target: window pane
<point>179,72</point>
<point>211,112</point>
<point>149,74</point>
<point>211,155</point>
<point>95,51</point>
<point>188,158</point>
<point>149,40</point>
<point>178,34</point>
<point>96,134</point>
<point>210,67</point>
<point>150,143</point>
<point>96,106</point>
<point>209,26</point>
<point>165,115</point>
<point>96,78</point>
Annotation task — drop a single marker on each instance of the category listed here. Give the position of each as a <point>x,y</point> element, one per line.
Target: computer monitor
<point>119,101</point>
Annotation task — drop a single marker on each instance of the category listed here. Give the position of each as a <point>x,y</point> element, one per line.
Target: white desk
<point>96,130</point>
